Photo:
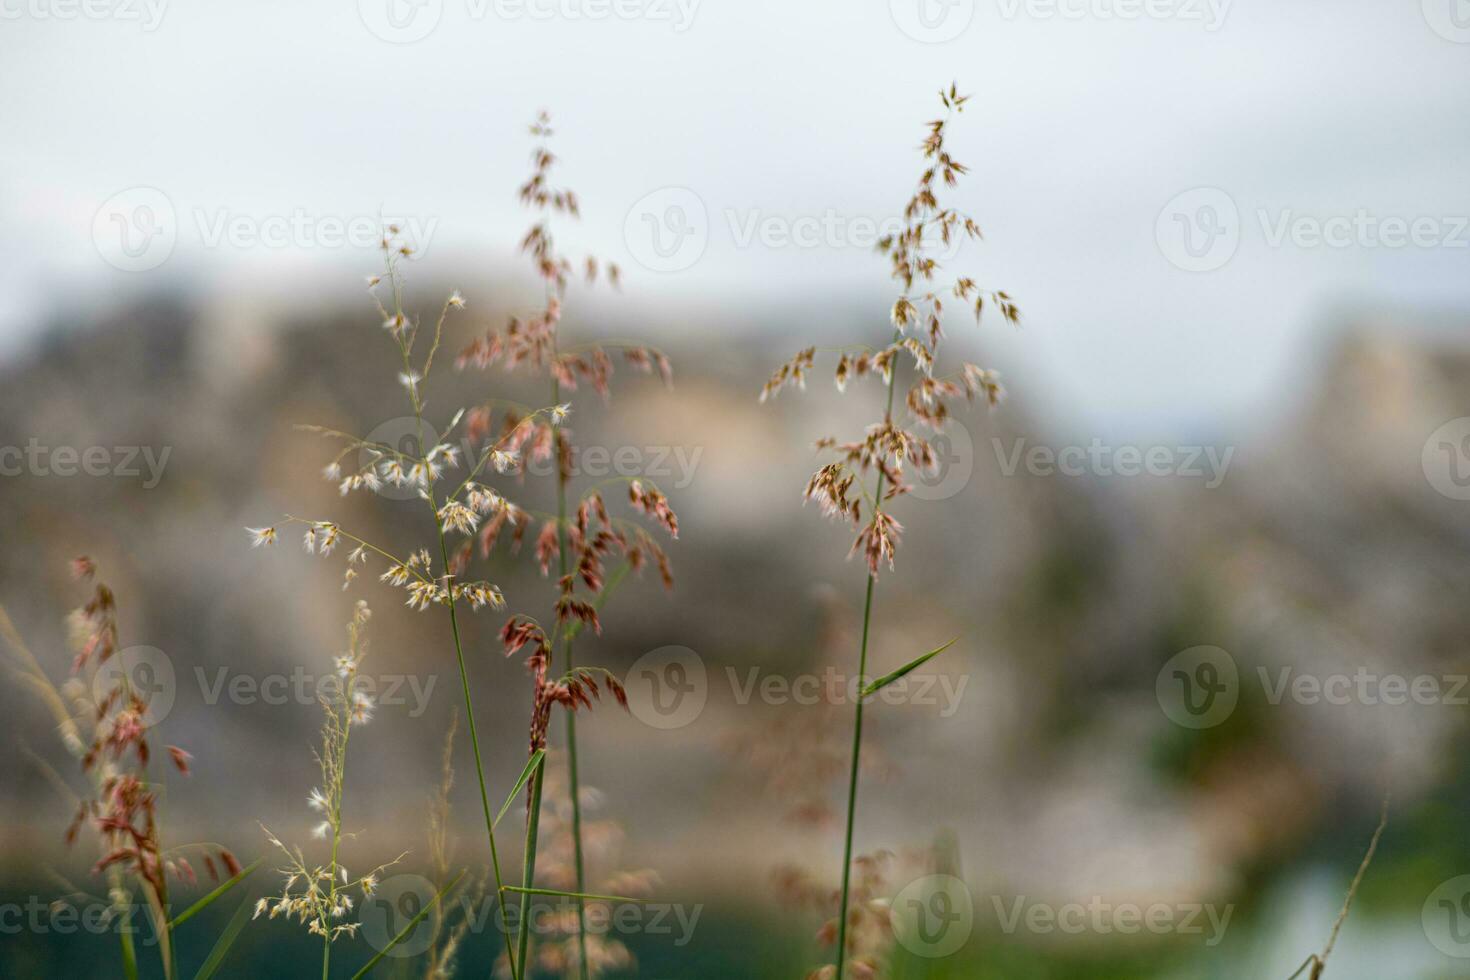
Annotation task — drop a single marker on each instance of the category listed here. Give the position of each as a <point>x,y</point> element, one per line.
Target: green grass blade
<point>225,941</point>
<point>403,934</point>
<point>532,764</point>
<point>886,679</point>
<point>204,902</point>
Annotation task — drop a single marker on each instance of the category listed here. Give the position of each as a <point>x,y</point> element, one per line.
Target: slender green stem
<point>576,790</point>
<point>336,827</point>
<point>563,547</point>
<point>852,783</point>
<point>469,710</point>
<point>576,826</point>
<point>173,954</point>
<point>464,676</point>
<point>857,728</point>
<point>129,954</point>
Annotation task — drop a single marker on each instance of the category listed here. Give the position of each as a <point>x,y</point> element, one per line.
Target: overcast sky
<point>1154,177</point>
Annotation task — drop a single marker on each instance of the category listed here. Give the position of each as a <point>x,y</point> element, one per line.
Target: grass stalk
<point>575,786</point>
<point>534,815</point>
<point>336,792</point>
<point>464,676</point>
<point>129,954</point>
<point>916,315</point>
<point>857,730</point>
<point>576,827</point>
<point>469,710</point>
<point>1317,962</point>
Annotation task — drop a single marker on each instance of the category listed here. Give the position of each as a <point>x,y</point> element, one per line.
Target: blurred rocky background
<point>1206,565</point>
<point>1052,742</point>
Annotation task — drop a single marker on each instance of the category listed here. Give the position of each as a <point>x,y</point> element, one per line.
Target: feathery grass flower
<point>579,539</point>
<point>319,896</point>
<point>889,448</point>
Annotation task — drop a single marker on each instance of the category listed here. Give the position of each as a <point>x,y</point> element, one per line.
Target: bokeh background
<point>1238,234</point>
